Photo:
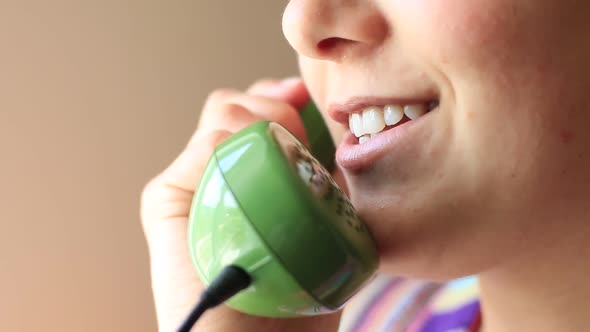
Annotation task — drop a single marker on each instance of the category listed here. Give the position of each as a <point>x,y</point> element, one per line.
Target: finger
<point>264,104</point>
<point>185,172</point>
<point>261,87</point>
<point>169,195</point>
<point>213,102</point>
<point>232,117</point>
<point>217,113</point>
<point>269,109</point>
<point>165,208</point>
<point>174,282</point>
<point>279,112</point>
<point>290,90</point>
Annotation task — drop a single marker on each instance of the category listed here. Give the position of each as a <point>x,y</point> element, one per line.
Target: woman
<point>487,176</point>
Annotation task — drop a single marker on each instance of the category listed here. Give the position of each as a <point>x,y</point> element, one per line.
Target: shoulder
<point>392,304</point>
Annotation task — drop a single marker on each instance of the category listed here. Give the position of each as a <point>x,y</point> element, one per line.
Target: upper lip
<point>340,112</point>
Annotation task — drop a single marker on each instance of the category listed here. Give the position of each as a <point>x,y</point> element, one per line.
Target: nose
<point>334,29</point>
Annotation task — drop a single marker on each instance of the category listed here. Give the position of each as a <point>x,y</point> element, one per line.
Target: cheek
<point>471,35</point>
<point>500,74</point>
<point>513,118</point>
<point>461,43</point>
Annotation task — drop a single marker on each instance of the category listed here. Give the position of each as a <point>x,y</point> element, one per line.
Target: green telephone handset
<point>267,206</point>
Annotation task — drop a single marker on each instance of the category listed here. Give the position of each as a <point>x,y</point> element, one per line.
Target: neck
<point>543,289</point>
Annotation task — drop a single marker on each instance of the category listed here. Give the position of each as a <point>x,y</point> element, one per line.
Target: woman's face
<point>493,172</point>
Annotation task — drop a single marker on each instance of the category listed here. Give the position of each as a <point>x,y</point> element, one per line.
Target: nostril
<point>330,45</point>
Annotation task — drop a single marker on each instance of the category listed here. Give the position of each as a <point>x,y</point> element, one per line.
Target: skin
<point>495,182</point>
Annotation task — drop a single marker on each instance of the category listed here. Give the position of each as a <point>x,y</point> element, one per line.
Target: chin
<point>424,243</point>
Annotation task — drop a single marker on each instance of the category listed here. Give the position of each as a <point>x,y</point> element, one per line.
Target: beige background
<point>95,98</point>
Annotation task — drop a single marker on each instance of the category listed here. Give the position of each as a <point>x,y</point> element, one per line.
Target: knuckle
<point>147,191</point>
<point>216,99</point>
<point>220,95</point>
<point>264,82</point>
<point>267,80</point>
<point>215,137</point>
<point>231,111</point>
<point>148,198</point>
<point>206,141</point>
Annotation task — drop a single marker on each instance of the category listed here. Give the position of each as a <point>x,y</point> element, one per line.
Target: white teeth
<point>356,124</point>
<point>393,114</point>
<point>363,139</point>
<point>415,111</point>
<point>373,121</point>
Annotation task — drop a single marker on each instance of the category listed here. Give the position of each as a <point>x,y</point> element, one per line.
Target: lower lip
<point>353,156</point>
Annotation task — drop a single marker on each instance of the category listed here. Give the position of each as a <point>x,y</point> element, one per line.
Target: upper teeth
<point>415,111</point>
<point>374,119</point>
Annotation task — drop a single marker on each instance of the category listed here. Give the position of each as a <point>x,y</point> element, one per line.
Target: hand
<point>166,202</point>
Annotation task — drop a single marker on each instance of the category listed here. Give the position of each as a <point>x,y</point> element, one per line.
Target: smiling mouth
<point>381,127</point>
<point>368,122</point>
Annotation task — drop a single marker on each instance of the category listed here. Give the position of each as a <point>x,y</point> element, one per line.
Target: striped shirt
<point>401,305</point>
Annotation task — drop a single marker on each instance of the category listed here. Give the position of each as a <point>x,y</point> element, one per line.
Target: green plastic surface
<point>318,135</point>
<point>214,245</point>
<point>266,205</point>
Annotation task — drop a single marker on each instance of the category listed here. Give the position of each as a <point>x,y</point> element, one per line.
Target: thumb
<point>290,90</point>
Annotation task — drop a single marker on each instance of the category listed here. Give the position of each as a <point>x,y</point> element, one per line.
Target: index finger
<point>291,91</point>
<point>185,172</point>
